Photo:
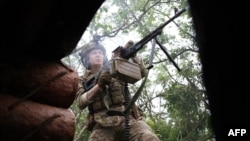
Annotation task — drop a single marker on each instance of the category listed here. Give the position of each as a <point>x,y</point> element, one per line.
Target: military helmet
<point>89,47</point>
<point>92,45</point>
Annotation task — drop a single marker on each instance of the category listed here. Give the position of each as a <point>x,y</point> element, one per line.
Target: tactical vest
<point>110,98</point>
<point>113,96</point>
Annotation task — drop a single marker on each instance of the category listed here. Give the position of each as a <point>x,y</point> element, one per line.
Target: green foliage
<point>80,134</point>
<point>182,113</point>
<point>161,129</point>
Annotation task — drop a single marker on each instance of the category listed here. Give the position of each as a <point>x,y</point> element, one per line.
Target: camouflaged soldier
<point>106,94</point>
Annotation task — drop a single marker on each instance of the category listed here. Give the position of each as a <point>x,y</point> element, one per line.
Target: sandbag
<point>30,121</point>
<point>49,83</point>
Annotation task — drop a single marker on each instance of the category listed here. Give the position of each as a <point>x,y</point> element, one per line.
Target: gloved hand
<point>104,78</point>
<point>126,46</point>
<point>129,44</point>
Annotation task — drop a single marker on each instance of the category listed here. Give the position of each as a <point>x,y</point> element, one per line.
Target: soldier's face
<point>96,57</point>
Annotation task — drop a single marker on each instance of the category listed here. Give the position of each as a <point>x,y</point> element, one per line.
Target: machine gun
<point>129,72</point>
<point>123,69</point>
<point>131,51</point>
<point>126,53</point>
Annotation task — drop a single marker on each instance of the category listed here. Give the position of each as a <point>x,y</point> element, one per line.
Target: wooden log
<point>46,82</point>
<point>34,121</point>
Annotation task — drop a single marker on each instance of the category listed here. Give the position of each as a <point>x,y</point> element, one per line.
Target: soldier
<point>107,94</point>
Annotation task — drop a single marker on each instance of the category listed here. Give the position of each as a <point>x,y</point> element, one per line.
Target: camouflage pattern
<point>111,128</point>
<point>139,131</point>
<point>104,127</point>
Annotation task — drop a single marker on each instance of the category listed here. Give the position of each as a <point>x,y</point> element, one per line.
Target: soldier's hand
<point>128,45</point>
<point>104,78</point>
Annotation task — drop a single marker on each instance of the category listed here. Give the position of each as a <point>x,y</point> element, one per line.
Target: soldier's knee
<point>148,137</point>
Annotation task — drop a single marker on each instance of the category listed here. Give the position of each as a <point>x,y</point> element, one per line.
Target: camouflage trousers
<point>139,131</point>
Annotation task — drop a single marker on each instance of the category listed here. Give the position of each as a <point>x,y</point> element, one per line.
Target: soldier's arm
<point>84,98</point>
<point>138,60</point>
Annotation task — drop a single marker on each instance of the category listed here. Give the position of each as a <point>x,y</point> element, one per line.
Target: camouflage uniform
<point>104,127</point>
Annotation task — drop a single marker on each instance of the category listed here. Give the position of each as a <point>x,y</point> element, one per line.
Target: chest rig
<point>111,98</point>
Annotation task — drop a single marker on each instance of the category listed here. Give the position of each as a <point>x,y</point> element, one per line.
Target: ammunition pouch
<point>106,120</point>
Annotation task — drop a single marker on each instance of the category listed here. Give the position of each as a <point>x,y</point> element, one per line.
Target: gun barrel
<point>136,47</point>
